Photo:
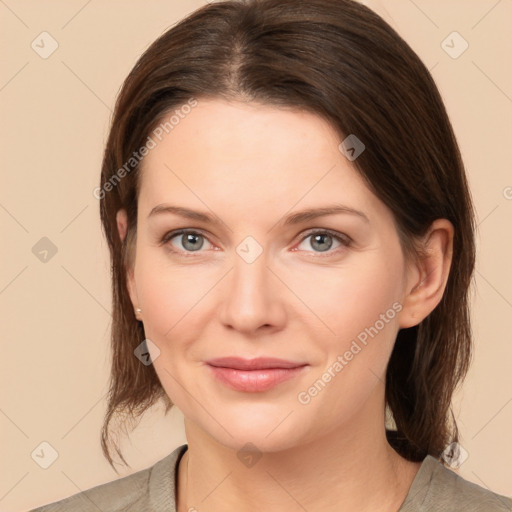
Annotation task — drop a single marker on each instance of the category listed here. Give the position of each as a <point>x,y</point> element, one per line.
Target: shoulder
<point>152,488</point>
<point>437,488</point>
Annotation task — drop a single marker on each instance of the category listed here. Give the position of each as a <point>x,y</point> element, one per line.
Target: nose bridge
<point>252,298</point>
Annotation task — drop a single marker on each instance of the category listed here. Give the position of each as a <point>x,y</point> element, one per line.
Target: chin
<point>257,442</point>
<point>265,435</point>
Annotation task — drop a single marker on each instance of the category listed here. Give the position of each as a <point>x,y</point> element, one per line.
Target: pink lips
<point>254,375</point>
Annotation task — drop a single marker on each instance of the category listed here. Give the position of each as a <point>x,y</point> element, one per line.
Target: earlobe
<point>122,223</point>
<point>426,282</point>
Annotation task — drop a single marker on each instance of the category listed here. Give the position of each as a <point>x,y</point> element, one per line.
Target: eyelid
<point>331,232</point>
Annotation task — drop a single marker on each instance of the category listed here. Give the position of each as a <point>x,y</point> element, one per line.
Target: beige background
<point>56,318</point>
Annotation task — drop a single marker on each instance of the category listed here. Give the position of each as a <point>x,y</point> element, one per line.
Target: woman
<point>291,236</point>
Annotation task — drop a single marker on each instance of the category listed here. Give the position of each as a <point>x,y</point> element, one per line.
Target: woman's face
<point>257,282</point>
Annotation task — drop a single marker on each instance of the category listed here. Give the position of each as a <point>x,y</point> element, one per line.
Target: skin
<point>250,166</point>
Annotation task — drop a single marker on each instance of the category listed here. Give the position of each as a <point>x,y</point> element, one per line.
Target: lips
<point>260,363</point>
<point>254,375</point>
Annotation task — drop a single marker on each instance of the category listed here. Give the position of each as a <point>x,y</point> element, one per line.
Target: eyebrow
<point>292,219</point>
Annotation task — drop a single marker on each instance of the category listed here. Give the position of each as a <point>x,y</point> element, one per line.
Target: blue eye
<point>191,241</point>
<point>322,240</point>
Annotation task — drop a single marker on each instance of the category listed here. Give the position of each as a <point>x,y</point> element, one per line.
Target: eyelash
<point>345,240</point>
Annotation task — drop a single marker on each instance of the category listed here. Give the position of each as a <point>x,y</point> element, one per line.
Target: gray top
<point>435,488</point>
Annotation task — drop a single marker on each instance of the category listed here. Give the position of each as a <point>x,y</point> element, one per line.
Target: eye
<point>190,241</point>
<point>193,241</point>
<point>322,240</point>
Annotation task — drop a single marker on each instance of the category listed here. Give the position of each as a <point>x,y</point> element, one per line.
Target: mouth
<point>254,375</point>
<point>259,363</point>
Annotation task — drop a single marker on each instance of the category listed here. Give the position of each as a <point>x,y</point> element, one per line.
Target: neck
<point>353,467</point>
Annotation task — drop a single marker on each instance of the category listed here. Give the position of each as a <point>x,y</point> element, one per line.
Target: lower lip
<point>253,381</point>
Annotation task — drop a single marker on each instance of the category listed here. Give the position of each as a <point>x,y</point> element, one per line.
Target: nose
<point>252,297</point>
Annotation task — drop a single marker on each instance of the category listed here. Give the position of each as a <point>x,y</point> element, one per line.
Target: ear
<point>426,279</point>
<point>122,228</point>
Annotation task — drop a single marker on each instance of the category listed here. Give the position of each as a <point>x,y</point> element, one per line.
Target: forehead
<point>232,130</point>
<point>250,153</point>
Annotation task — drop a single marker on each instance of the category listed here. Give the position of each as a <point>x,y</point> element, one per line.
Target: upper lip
<point>238,363</point>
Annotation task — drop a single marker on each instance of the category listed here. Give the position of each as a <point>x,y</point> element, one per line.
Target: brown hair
<point>340,60</point>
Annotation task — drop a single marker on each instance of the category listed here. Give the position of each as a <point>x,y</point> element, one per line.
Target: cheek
<point>347,300</point>
<point>171,299</point>
<point>360,305</point>
<point>169,294</point>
